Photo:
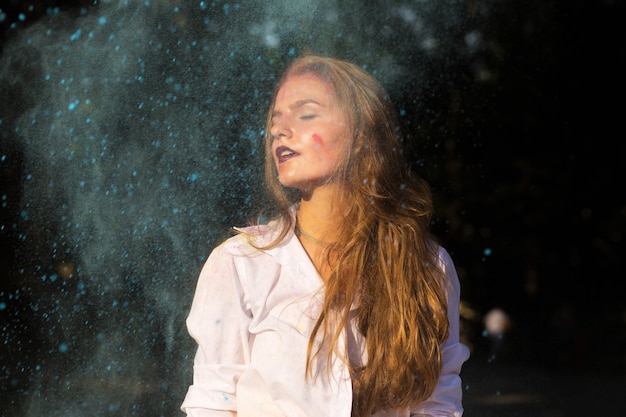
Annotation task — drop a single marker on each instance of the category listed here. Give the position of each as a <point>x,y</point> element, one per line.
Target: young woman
<point>344,304</point>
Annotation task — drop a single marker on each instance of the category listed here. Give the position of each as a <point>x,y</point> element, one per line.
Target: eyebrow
<point>297,105</point>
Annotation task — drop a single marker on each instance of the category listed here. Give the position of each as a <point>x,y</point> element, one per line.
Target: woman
<point>343,304</point>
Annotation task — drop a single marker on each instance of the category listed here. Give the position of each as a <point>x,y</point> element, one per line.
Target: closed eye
<point>308,116</point>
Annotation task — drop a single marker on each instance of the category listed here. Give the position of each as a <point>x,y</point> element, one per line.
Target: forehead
<point>305,87</point>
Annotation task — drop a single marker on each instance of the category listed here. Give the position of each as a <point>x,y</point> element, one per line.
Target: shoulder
<point>242,261</point>
<point>247,240</point>
<point>237,256</point>
<point>444,258</point>
<point>446,264</point>
<point>439,255</point>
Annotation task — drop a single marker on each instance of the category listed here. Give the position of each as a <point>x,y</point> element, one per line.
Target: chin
<point>291,184</point>
<point>294,185</point>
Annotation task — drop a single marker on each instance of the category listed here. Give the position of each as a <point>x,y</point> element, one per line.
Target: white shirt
<point>252,314</point>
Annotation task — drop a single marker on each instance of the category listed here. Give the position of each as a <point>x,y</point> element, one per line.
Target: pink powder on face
<point>318,139</point>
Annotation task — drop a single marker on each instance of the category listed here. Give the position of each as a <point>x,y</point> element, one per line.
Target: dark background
<point>530,197</point>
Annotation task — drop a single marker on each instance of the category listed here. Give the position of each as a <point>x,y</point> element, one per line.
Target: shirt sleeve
<point>446,400</point>
<point>218,322</point>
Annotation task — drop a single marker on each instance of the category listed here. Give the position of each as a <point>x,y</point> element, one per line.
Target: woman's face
<point>309,132</point>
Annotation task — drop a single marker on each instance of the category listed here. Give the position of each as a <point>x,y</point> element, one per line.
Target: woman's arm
<point>445,401</point>
<point>218,323</point>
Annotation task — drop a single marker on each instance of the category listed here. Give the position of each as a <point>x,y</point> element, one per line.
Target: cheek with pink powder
<point>318,139</point>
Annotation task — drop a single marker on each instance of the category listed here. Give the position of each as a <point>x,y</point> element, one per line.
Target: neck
<point>320,215</point>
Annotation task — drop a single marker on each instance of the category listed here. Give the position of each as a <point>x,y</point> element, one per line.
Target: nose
<point>279,129</point>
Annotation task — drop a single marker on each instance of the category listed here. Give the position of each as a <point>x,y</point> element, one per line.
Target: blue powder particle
<point>76,35</point>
